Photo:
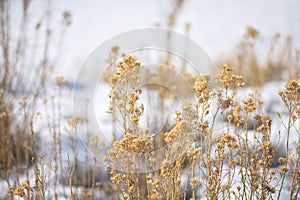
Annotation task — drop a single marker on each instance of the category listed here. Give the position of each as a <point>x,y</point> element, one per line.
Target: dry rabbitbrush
<point>197,159</point>
<point>200,161</point>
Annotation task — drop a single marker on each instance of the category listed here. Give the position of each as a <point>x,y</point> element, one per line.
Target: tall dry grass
<point>236,150</point>
<point>260,64</point>
<point>198,161</point>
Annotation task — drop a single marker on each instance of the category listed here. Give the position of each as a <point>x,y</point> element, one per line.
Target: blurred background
<point>216,25</point>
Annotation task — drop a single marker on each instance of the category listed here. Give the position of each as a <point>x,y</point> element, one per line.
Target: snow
<point>216,25</point>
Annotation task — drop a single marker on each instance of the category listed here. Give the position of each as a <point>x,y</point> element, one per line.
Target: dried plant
<point>192,158</point>
<point>211,158</point>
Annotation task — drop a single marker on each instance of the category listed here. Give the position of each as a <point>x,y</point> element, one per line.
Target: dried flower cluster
<point>23,189</point>
<point>229,79</point>
<point>219,147</point>
<point>193,147</point>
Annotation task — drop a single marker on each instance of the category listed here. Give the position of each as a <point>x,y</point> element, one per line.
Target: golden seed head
<point>283,170</point>
<point>282,160</point>
<point>252,32</point>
